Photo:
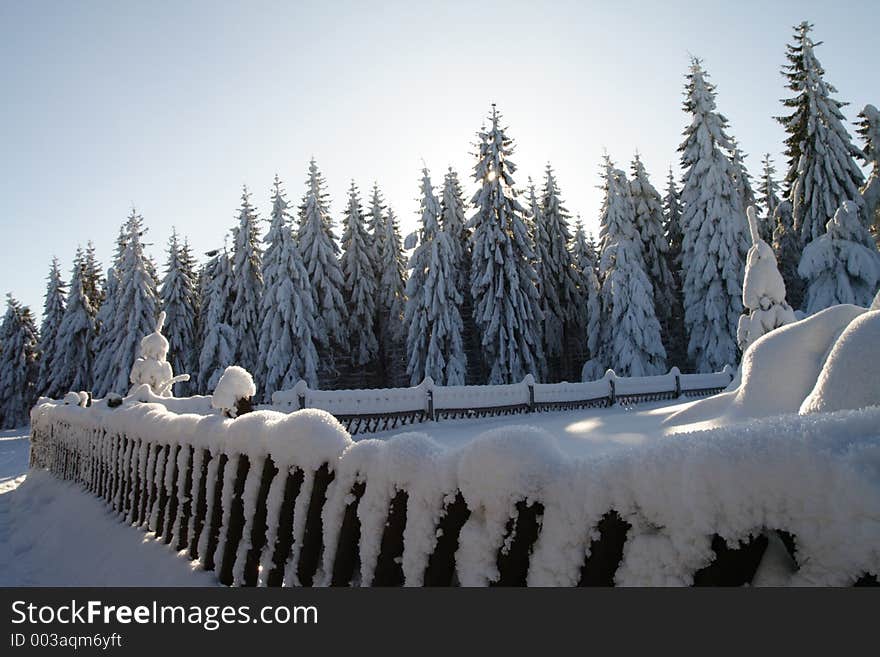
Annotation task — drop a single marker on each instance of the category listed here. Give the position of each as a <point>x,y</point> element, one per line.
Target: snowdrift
<point>827,361</point>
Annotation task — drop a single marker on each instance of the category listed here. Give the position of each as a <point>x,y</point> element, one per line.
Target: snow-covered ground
<point>52,533</point>
<point>580,434</point>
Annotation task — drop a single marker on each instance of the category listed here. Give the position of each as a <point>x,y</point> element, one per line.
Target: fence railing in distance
<point>383,409</point>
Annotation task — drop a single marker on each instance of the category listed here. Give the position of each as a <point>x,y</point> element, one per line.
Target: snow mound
<point>236,383</point>
<point>778,371</point>
<point>850,378</point>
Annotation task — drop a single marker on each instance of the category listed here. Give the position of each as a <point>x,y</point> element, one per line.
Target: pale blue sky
<point>172,106</point>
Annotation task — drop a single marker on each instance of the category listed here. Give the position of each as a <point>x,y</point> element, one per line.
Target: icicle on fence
<point>273,499</point>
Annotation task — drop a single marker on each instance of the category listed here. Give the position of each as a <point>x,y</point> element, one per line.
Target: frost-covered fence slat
<point>346,562</point>
<point>440,570</point>
<point>389,569</point>
<point>279,551</point>
<point>312,542</point>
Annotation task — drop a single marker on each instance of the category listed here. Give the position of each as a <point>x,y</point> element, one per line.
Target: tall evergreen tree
<point>317,244</point>
<point>247,285</point>
<point>74,343</point>
<point>842,265</point>
<point>869,130</point>
<point>742,179</point>
<point>588,308</point>
<point>787,249</point>
<point>136,308</point>
<point>179,299</point>
<point>822,171</point>
<point>630,342</point>
<point>768,198</point>
<point>53,314</point>
<point>19,362</point>
<point>391,304</point>
<point>218,337</point>
<point>507,308</point>
<point>376,218</point>
<point>675,337</point>
<point>434,336</point>
<point>557,284</point>
<point>93,281</point>
<point>291,329</point>
<point>714,234</point>
<point>106,316</point>
<point>359,292</point>
<point>649,221</point>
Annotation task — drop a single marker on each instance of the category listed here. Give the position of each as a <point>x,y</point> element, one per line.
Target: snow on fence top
<point>272,498</point>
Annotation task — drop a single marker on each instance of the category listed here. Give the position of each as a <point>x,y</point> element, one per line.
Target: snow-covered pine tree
<point>787,249</point>
<point>454,223</point>
<point>291,329</point>
<point>675,336</point>
<point>763,290</point>
<point>557,285</point>
<point>317,244</point>
<point>630,341</point>
<point>842,265</point>
<point>587,306</point>
<point>72,367</point>
<point>375,220</point>
<point>179,299</point>
<point>93,281</point>
<point>19,362</point>
<point>768,198</point>
<point>53,314</point>
<point>104,355</point>
<point>714,235</point>
<point>742,179</point>
<point>434,329</point>
<point>869,130</point>
<point>247,285</point>
<point>822,171</point>
<point>192,270</point>
<point>360,293</point>
<point>135,309</point>
<point>391,304</point>
<point>507,309</point>
<point>218,337</point>
<point>655,250</point>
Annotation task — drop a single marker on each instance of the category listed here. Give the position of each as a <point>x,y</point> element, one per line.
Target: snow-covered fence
<point>273,498</point>
<point>372,410</point>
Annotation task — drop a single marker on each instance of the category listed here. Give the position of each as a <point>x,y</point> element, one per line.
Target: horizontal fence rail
<point>383,409</point>
<point>272,499</point>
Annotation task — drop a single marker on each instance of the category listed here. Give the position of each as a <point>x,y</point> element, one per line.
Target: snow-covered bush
<point>234,391</point>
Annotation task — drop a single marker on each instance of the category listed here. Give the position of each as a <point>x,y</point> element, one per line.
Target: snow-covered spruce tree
<point>104,355</point>
<point>763,290</point>
<point>317,244</point>
<point>247,285</point>
<point>360,293</point>
<point>218,337</point>
<point>869,130</point>
<point>842,265</point>
<point>391,304</point>
<point>19,362</point>
<point>179,299</point>
<point>714,235</point>
<point>375,220</point>
<point>507,309</point>
<point>291,329</point>
<point>434,330</point>
<point>822,171</point>
<point>53,314</point>
<point>72,367</point>
<point>454,223</point>
<point>742,179</point>
<point>675,335</point>
<point>630,341</point>
<point>787,249</point>
<point>557,285</point>
<point>93,281</point>
<point>193,272</point>
<point>135,309</point>
<point>587,306</point>
<point>655,251</point>
<point>768,198</point>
